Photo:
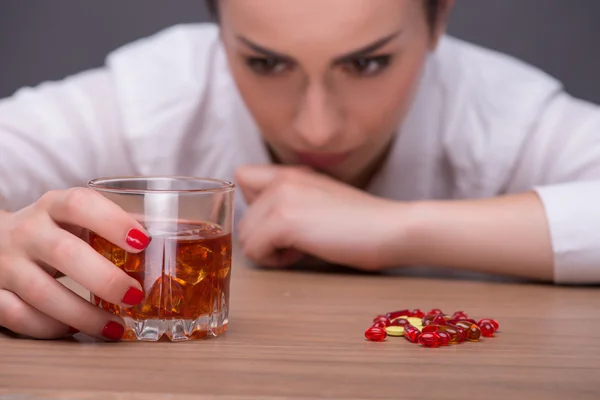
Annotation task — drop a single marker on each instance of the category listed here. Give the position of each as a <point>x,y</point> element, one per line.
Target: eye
<point>367,66</point>
<point>268,66</point>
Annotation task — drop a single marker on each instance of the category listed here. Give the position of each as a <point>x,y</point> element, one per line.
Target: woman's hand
<point>294,211</point>
<point>42,240</point>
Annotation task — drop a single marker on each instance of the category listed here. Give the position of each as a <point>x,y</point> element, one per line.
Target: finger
<point>48,296</point>
<point>280,259</point>
<point>86,208</point>
<point>254,179</point>
<point>287,257</point>
<point>74,258</point>
<point>21,318</point>
<point>264,243</point>
<point>254,214</point>
<point>271,200</point>
<point>267,207</point>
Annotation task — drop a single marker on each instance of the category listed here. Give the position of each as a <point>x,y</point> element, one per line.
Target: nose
<point>318,120</point>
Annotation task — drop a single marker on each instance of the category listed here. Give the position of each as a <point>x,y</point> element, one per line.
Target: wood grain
<point>299,334</point>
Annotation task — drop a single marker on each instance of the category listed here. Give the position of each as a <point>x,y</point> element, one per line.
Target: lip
<point>322,160</point>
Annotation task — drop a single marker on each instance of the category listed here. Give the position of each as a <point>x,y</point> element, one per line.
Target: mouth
<point>322,160</point>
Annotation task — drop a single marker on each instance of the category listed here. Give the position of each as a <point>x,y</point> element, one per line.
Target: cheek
<point>271,101</point>
<point>378,105</point>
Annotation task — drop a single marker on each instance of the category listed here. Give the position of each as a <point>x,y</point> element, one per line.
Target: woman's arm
<point>505,235</point>
<point>295,209</point>
<point>546,226</point>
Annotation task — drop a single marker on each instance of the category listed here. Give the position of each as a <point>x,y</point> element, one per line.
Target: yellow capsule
<point>395,330</point>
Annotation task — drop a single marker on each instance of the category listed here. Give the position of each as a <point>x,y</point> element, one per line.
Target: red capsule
<point>491,321</point>
<point>473,333</point>
<point>439,320</point>
<point>444,338</point>
<point>452,331</point>
<point>463,333</point>
<point>454,321</point>
<point>426,320</point>
<point>431,328</point>
<point>397,314</point>
<point>411,333</point>
<point>462,324</point>
<point>375,334</point>
<point>487,329</point>
<point>379,324</point>
<point>417,313</point>
<point>429,339</point>
<point>399,322</point>
<point>435,311</point>
<point>382,318</point>
<point>459,315</point>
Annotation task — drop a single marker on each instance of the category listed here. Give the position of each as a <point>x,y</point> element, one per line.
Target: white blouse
<point>482,124</point>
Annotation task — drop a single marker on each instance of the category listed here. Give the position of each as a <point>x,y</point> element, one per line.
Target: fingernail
<point>137,239</point>
<point>73,331</point>
<point>133,296</point>
<point>113,330</point>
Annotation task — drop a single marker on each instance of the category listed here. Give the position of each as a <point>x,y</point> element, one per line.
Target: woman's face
<point>328,81</point>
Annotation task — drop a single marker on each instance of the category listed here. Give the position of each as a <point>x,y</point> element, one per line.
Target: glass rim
<point>97,184</point>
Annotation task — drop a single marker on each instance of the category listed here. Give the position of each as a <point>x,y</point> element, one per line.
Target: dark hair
<point>432,8</point>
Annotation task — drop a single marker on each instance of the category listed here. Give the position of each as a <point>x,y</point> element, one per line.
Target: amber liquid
<point>185,275</point>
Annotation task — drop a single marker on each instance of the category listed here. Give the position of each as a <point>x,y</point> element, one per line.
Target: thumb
<point>253,179</point>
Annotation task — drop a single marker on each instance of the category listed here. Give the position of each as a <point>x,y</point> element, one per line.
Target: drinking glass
<point>185,270</point>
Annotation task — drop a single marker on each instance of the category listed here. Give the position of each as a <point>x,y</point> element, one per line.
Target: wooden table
<point>300,335</point>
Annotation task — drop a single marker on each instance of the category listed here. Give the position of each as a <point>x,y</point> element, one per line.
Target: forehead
<point>284,24</point>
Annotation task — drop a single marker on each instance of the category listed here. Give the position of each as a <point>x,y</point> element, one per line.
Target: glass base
<point>175,330</point>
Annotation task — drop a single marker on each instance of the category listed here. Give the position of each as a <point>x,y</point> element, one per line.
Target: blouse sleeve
<point>561,161</point>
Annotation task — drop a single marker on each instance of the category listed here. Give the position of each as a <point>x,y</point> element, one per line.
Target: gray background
<point>42,40</point>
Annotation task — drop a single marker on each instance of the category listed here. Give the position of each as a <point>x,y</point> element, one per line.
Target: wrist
<point>406,226</point>
<point>502,235</point>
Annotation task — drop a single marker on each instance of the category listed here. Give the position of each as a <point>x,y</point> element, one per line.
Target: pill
<point>491,321</point>
<point>382,318</point>
<point>429,339</point>
<point>375,334</point>
<point>395,330</point>
<point>396,314</point>
<point>487,329</point>
<point>399,322</point>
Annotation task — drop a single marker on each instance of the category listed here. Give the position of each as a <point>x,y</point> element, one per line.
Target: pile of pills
<point>432,329</point>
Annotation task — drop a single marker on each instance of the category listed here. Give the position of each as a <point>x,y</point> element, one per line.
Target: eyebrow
<point>263,50</point>
<point>362,52</point>
<point>368,49</point>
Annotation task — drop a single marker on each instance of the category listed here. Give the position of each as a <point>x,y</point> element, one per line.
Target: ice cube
<point>167,293</point>
<point>133,263</point>
<point>193,262</point>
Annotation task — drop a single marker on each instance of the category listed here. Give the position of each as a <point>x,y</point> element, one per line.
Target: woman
<point>357,132</point>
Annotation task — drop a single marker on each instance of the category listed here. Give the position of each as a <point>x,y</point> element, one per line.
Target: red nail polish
<point>133,296</point>
<point>113,330</point>
<point>73,331</point>
<point>137,239</point>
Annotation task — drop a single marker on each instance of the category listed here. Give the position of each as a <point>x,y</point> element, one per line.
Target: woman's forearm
<point>506,235</point>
